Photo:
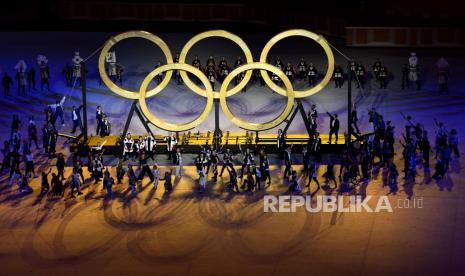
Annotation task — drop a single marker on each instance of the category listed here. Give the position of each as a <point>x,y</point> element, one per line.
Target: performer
<point>305,160</point>
<point>302,68</point>
<point>168,181</point>
<point>217,137</point>
<point>120,171</point>
<point>413,76</point>
<point>247,161</point>
<point>58,112</point>
<point>312,117</point>
<point>338,76</point>
<point>382,77</point>
<point>171,142</point>
<point>179,164</point>
<point>313,175</point>
<point>75,184</point>
<point>128,145</point>
<point>150,145</point>
<point>281,143</point>
<point>333,126</point>
<point>354,119</point>
<point>211,75</point>
<point>196,63</point>
<point>278,63</point>
<point>443,79</point>
<point>227,161</point>
<point>329,174</point>
<point>238,62</point>
<point>214,163</point>
<point>99,119</point>
<point>312,74</point>
<point>32,132</point>
<point>289,71</point>
<point>108,183</point>
<point>223,68</point>
<point>177,72</point>
<point>206,150</point>
<point>375,68</point>
<point>77,122</point>
<point>106,127</point>
<point>233,180</point>
<point>67,72</point>
<point>156,176</point>
<point>248,183</point>
<point>132,180</point>
<point>145,169</point>
<point>6,83</point>
<point>265,169</point>
<point>119,73</point>
<point>360,74</point>
<point>295,186</point>
<point>288,162</point>
<point>31,80</point>
<point>239,77</point>
<point>44,75</point>
<point>211,62</point>
<point>21,80</point>
<point>351,68</point>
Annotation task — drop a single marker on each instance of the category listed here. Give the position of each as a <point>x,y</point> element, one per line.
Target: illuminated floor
<point>223,233</point>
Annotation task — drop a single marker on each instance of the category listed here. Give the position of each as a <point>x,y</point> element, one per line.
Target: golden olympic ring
<point>257,126</point>
<point>171,126</point>
<point>299,32</point>
<point>208,91</point>
<point>216,33</point>
<point>133,34</point>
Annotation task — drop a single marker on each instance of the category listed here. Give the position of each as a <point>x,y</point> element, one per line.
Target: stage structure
<point>219,99</point>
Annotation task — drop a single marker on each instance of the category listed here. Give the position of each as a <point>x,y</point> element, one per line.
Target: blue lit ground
<point>220,233</point>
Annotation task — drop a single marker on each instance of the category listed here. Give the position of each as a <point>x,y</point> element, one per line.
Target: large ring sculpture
<point>171,126</point>
<point>216,33</point>
<point>133,34</point>
<point>208,91</point>
<point>299,32</point>
<point>257,126</point>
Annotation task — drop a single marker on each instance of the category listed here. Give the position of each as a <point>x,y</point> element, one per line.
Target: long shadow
<point>39,198</point>
<point>445,183</point>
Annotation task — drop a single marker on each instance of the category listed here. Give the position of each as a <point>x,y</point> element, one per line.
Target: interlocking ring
<point>299,32</point>
<point>257,126</point>
<point>216,33</point>
<point>171,126</point>
<point>133,34</point>
<point>208,91</point>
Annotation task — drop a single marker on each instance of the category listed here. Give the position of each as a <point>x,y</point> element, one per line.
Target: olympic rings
<point>131,34</point>
<point>216,33</point>
<point>171,126</point>
<point>299,32</point>
<point>257,126</point>
<point>208,91</point>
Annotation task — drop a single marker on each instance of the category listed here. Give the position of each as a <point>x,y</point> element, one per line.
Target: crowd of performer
<point>369,152</point>
<point>373,149</point>
<point>411,74</point>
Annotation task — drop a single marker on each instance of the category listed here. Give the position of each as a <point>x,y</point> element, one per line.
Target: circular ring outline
<point>133,34</point>
<point>318,39</point>
<point>216,33</point>
<point>173,126</point>
<point>257,126</point>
